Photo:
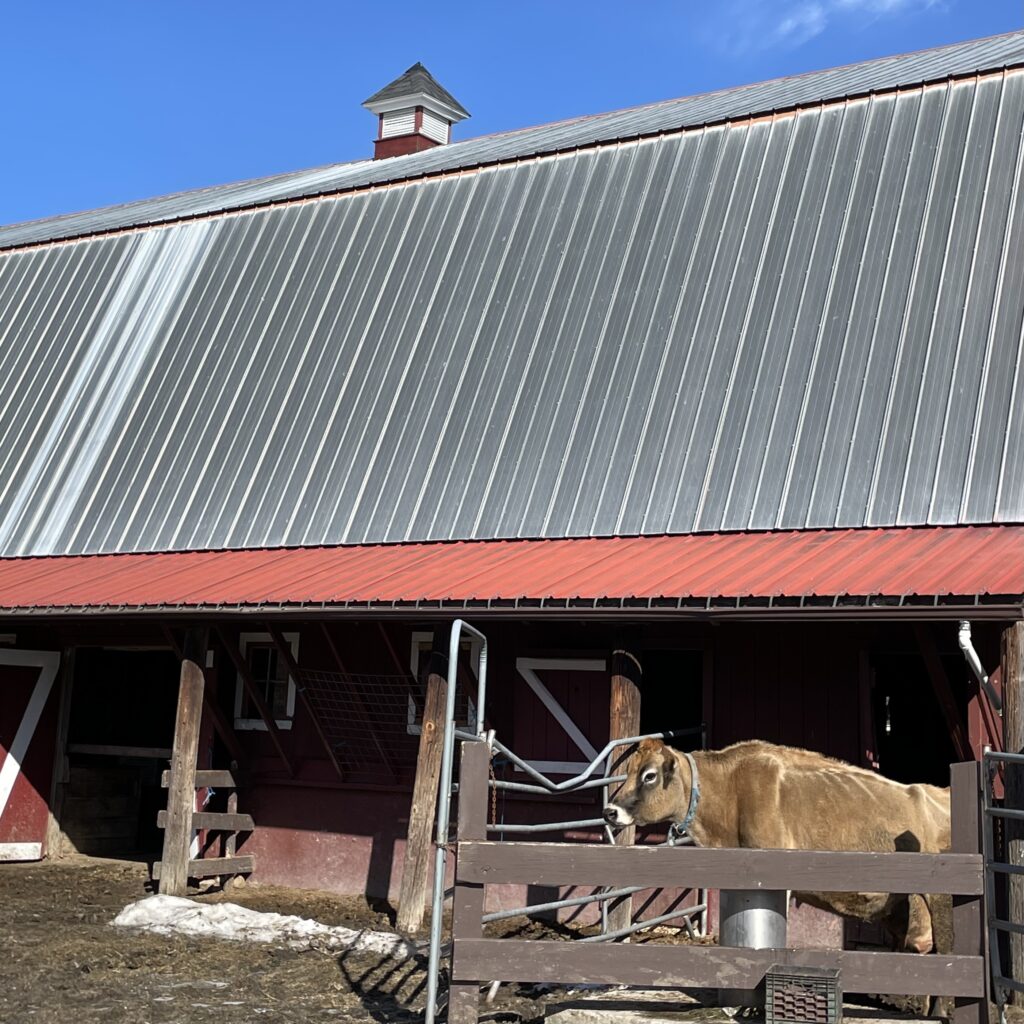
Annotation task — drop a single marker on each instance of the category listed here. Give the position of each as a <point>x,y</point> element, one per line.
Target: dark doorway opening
<point>120,733</point>
<point>911,734</point>
<point>672,696</point>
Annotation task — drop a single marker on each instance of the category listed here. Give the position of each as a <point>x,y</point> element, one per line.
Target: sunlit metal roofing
<point>841,568</point>
<point>670,115</point>
<point>806,321</point>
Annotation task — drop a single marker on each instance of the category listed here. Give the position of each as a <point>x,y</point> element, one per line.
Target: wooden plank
<point>213,777</point>
<point>653,966</point>
<point>221,722</point>
<point>284,652</point>
<point>468,897</point>
<point>242,668</point>
<point>181,795</point>
<point>419,841</point>
<point>357,700</point>
<point>111,750</point>
<point>943,692</point>
<point>653,866</point>
<point>217,821</point>
<point>624,720</point>
<point>210,866</point>
<point>59,780</point>
<point>1011,664</point>
<point>968,911</point>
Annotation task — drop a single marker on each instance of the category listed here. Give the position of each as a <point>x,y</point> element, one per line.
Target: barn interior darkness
<point>120,726</point>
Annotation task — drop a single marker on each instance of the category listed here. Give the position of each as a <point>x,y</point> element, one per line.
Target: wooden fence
<point>477,960</point>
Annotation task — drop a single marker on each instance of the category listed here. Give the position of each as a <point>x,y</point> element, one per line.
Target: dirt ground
<point>64,961</point>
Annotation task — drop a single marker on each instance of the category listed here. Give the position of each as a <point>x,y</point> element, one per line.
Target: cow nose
<point>611,815</point>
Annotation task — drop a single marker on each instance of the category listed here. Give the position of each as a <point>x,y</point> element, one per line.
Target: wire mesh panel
<point>372,721</point>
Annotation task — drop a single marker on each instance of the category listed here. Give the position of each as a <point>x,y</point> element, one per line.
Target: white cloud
<point>787,24</point>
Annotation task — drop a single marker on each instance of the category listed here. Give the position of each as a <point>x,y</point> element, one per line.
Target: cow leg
<point>920,937</point>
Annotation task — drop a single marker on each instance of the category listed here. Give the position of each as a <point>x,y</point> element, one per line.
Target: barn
<point>730,384</point>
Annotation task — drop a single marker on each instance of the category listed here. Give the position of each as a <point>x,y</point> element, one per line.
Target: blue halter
<point>678,829</point>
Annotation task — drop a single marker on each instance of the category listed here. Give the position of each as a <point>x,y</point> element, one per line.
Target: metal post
<point>752,919</point>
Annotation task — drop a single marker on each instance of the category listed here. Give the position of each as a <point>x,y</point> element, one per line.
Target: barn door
<point>27,729</point>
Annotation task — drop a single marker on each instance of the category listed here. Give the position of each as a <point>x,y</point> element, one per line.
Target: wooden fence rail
<point>479,862</point>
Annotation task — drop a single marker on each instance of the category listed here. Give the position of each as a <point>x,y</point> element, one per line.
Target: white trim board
<point>47,662</point>
<point>528,669</point>
<point>20,851</point>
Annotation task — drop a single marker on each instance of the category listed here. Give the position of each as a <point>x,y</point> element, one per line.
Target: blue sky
<point>110,101</point>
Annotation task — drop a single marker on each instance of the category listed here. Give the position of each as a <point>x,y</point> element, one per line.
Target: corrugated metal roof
<point>691,111</point>
<point>972,561</point>
<point>802,322</point>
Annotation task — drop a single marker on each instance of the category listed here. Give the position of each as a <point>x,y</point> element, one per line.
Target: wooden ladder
<point>229,823</point>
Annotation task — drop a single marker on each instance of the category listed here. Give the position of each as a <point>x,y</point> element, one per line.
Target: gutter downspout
<point>971,656</point>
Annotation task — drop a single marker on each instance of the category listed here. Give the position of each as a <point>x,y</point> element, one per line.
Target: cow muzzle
<point>617,816</point>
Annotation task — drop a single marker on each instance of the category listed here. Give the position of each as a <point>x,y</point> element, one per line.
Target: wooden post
<point>419,839</point>
<point>220,721</point>
<point>968,911</point>
<point>624,721</point>
<point>58,783</point>
<point>1012,671</point>
<point>181,796</point>
<point>468,898</point>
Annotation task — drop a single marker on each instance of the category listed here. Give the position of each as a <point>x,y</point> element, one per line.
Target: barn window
<point>465,705</point>
<point>270,675</point>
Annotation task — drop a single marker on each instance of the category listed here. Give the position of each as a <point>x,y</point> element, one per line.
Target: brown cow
<point>761,796</point>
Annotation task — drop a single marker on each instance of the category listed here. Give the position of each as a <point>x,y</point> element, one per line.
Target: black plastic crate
<point>802,995</point>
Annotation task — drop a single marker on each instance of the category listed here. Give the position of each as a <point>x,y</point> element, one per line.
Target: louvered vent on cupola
<point>414,112</point>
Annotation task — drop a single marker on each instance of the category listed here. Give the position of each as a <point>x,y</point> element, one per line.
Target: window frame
<point>420,643</point>
<point>257,724</point>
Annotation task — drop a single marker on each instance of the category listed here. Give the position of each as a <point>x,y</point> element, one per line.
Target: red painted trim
<point>400,145</point>
<point>417,120</point>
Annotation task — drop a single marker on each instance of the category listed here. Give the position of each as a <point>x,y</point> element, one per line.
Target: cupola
<point>414,112</point>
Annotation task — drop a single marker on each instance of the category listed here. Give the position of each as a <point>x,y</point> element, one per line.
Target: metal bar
<point>1007,926</point>
<point>573,901</point>
<point>1004,812</point>
<point>526,787</point>
<point>549,826</point>
<point>1004,982</point>
<point>639,926</point>
<point>1007,869</point>
<point>444,802</point>
<point>1002,755</point>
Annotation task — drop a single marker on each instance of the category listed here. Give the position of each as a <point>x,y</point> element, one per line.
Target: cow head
<point>657,788</point>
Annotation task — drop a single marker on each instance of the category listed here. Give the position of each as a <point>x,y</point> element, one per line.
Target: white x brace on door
<point>528,669</point>
<point>23,846</point>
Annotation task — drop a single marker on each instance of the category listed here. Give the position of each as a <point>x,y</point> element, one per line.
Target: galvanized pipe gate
<point>619,871</point>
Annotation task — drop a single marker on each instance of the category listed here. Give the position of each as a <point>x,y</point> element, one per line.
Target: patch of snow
<point>175,915</point>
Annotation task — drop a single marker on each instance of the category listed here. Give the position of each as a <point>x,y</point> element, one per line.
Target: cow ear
<point>668,765</point>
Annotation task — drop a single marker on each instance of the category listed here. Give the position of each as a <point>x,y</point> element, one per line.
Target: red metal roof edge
<point>873,569</point>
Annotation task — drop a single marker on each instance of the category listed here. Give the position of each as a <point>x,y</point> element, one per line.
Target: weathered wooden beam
<point>242,668</point>
<point>216,821</point>
<point>357,701</point>
<point>181,796</point>
<point>968,911</point>
<point>419,843</point>
<point>1011,664</point>
<point>651,966</point>
<point>943,692</point>
<point>207,867</point>
<point>221,722</point>
<point>111,750</point>
<point>706,868</point>
<point>215,778</point>
<point>58,783</point>
<point>284,652</point>
<point>624,720</point>
<point>468,897</point>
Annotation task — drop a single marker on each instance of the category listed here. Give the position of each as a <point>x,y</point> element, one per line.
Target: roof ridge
<point>407,168</point>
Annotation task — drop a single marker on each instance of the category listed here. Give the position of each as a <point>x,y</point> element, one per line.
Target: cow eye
<point>649,776</point>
